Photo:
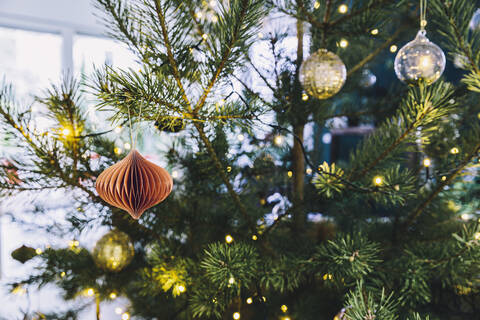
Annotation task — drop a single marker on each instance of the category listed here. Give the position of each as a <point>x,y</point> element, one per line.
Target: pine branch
<point>418,211</point>
<point>223,176</point>
<point>234,37</point>
<point>347,182</point>
<point>466,50</point>
<point>171,58</point>
<point>375,4</point>
<point>121,24</point>
<point>374,53</point>
<point>200,30</point>
<point>423,106</point>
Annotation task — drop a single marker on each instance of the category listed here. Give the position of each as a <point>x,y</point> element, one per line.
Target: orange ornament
<point>134,184</point>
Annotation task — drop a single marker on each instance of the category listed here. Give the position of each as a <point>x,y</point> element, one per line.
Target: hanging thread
<point>130,125</point>
<point>136,130</point>
<point>423,14</point>
<point>133,142</point>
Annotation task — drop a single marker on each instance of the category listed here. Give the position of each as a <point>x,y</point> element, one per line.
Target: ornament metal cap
<point>134,184</point>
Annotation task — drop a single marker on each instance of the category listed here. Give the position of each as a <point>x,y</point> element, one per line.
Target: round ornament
<point>114,251</point>
<point>367,78</point>
<point>475,21</point>
<point>174,126</point>
<point>134,184</point>
<point>420,60</point>
<point>323,74</point>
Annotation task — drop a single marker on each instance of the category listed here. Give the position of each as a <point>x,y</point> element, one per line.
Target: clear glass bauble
<point>367,78</point>
<point>114,251</point>
<point>323,74</point>
<point>420,60</point>
<point>475,21</point>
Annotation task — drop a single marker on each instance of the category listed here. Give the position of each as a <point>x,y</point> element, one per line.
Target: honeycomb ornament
<point>134,184</point>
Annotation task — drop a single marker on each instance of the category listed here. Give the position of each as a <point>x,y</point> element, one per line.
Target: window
<point>29,60</point>
<point>93,51</point>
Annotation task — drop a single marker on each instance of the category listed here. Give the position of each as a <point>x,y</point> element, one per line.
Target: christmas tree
<point>259,225</point>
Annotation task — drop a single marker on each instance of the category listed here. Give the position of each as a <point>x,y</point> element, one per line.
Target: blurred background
<point>40,40</point>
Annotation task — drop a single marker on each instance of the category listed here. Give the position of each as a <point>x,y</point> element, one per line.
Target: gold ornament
<point>114,251</point>
<point>420,60</point>
<point>323,74</point>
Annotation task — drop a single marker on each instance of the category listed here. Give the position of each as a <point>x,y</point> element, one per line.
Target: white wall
<point>50,15</point>
<point>65,17</point>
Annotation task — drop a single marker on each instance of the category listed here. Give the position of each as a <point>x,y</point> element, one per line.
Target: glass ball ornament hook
<point>323,74</point>
<point>420,60</point>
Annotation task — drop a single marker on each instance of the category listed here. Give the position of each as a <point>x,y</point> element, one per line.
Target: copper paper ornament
<point>134,184</point>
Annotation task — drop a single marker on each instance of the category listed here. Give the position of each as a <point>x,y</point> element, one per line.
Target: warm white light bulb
<point>181,288</point>
<point>454,150</point>
<point>343,43</point>
<point>278,140</point>
<point>378,181</point>
<point>343,8</point>
<point>427,162</point>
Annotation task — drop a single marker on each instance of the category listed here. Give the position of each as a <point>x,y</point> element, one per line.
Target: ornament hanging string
<point>130,125</point>
<point>136,130</point>
<point>423,14</point>
<point>133,142</point>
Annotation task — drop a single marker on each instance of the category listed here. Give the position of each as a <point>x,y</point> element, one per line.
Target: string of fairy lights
<point>278,140</point>
<point>74,245</point>
<point>68,132</point>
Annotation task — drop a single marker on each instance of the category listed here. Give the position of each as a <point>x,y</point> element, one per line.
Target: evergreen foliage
<point>398,238</point>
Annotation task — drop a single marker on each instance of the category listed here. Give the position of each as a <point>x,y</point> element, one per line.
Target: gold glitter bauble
<point>420,60</point>
<point>114,251</point>
<point>323,74</point>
